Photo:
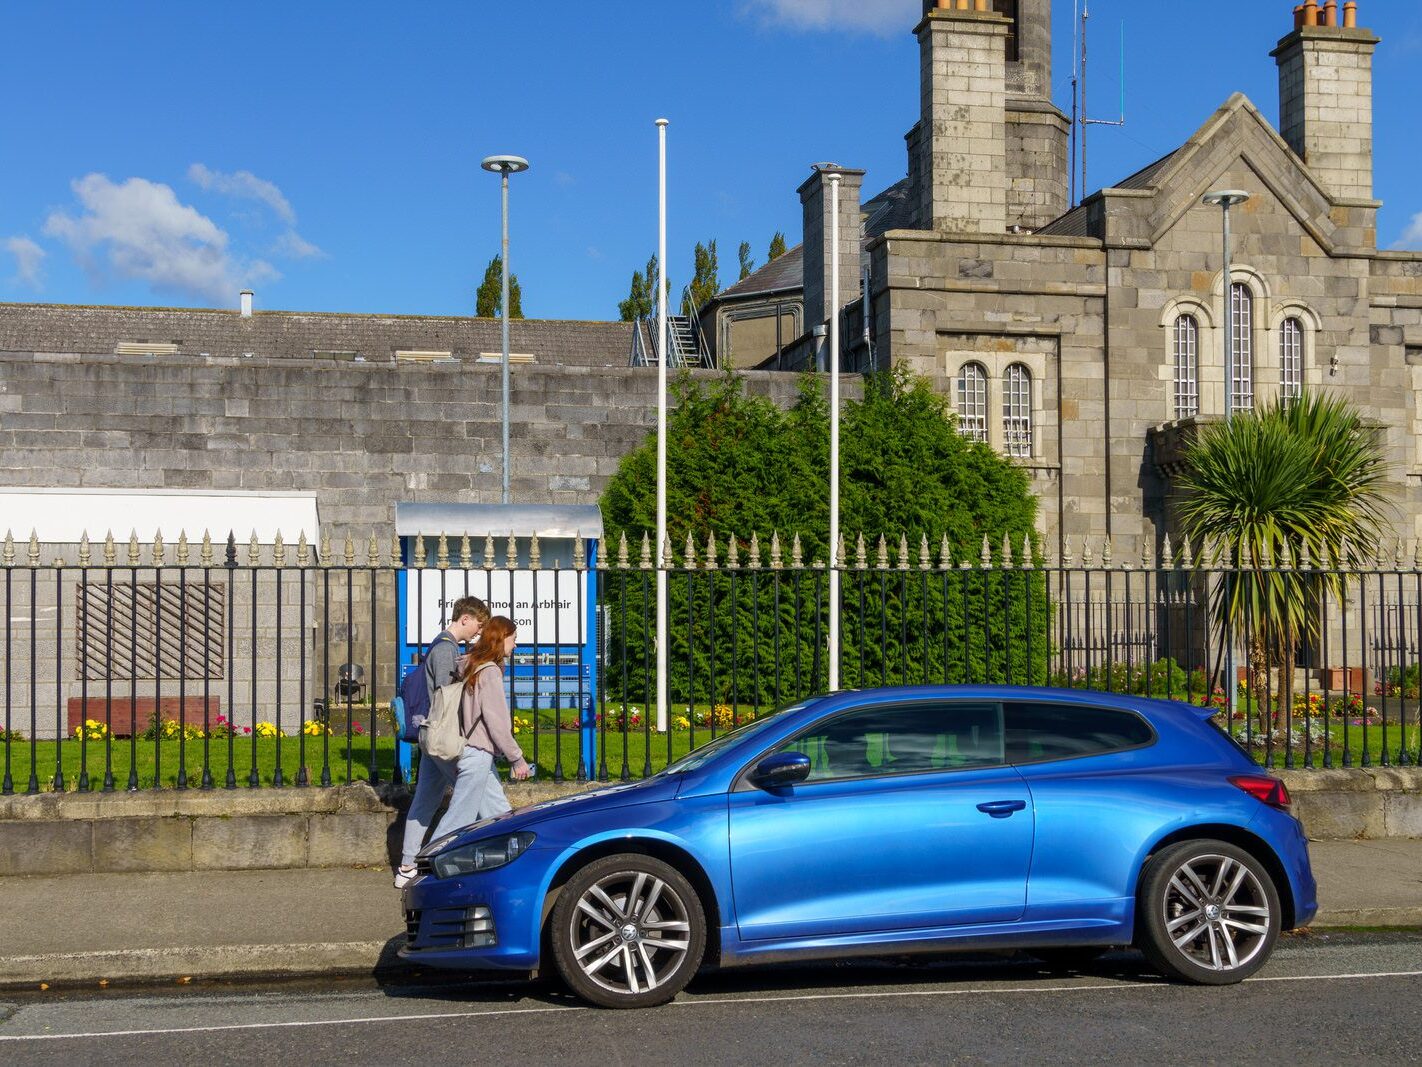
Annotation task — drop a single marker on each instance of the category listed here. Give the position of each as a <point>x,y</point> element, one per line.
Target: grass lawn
<point>637,753</point>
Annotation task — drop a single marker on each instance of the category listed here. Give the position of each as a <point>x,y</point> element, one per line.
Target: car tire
<point>628,931</point>
<point>1208,913</point>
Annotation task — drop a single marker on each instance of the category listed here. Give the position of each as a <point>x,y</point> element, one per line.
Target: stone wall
<point>360,436</point>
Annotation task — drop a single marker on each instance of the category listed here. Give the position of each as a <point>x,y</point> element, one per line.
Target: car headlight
<point>480,855</point>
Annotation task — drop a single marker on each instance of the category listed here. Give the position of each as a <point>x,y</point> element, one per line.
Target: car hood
<point>650,790</point>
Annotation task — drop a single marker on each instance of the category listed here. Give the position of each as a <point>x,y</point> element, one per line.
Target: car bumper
<point>1291,844</point>
<point>477,922</point>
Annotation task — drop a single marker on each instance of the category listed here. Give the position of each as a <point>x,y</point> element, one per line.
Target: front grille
<point>446,928</point>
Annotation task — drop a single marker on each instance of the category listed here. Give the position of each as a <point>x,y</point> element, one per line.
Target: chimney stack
<point>1326,97</point>
<point>960,144</point>
<point>246,303</point>
<point>818,205</point>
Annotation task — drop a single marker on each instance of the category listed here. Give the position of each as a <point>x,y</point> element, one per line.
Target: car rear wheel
<point>628,932</point>
<point>1209,913</point>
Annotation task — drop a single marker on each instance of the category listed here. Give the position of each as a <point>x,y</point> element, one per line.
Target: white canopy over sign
<point>64,516</point>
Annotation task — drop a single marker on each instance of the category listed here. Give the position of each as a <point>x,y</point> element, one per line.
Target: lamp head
<point>1226,198</point>
<point>505,164</point>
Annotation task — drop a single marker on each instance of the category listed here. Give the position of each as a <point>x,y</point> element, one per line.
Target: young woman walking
<point>488,726</point>
<point>488,732</point>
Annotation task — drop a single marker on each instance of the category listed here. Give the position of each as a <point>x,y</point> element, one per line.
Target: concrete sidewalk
<point>229,924</point>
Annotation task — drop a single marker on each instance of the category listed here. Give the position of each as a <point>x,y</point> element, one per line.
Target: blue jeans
<point>477,795</point>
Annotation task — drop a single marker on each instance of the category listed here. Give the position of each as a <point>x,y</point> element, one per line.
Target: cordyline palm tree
<point>1302,480</point>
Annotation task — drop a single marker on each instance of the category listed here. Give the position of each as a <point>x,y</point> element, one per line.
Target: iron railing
<point>219,665</point>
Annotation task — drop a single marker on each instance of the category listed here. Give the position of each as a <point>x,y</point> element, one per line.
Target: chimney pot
<point>246,303</point>
<point>1330,13</point>
<point>1298,16</point>
<point>1350,15</point>
<point>1311,13</point>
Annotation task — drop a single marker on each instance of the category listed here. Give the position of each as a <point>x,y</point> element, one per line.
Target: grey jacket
<point>441,663</point>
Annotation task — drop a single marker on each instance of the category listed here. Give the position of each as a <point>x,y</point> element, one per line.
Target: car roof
<point>1154,708</point>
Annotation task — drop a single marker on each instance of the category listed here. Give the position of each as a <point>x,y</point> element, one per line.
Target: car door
<point>911,819</point>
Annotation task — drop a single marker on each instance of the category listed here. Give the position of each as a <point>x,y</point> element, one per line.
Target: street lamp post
<point>834,180</point>
<point>504,166</point>
<point>1226,199</point>
<point>663,688</point>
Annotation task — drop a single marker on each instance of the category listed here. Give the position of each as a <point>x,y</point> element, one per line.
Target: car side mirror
<point>781,769</point>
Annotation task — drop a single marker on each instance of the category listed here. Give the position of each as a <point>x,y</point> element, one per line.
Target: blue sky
<point>328,154</point>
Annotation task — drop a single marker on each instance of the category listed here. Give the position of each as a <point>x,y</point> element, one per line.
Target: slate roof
<point>779,275</point>
<point>1074,222</point>
<point>297,334</point>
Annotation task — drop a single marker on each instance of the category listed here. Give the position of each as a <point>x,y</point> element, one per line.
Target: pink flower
<point>359,728</point>
<point>246,729</point>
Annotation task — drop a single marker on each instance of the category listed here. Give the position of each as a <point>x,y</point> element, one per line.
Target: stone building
<point>1086,342</point>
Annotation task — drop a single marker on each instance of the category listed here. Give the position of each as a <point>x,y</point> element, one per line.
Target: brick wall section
<point>361,436</point>
<point>299,335</point>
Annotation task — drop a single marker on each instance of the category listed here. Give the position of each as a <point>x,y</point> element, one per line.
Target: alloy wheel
<point>1217,913</point>
<point>630,932</point>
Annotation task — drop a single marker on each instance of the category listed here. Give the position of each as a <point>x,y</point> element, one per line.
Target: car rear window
<point>1037,733</point>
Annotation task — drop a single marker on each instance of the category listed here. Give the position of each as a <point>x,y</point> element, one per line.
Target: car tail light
<point>1264,789</point>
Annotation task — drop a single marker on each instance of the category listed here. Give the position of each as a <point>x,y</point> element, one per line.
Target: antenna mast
<point>1084,120</point>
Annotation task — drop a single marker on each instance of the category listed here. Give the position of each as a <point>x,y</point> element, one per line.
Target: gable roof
<point>1236,130</point>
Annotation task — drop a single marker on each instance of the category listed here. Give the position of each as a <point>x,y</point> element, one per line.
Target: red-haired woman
<point>488,730</point>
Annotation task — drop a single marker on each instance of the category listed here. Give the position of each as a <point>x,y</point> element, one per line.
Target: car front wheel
<point>1209,913</point>
<point>628,932</point>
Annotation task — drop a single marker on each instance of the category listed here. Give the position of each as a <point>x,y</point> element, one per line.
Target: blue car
<point>887,822</point>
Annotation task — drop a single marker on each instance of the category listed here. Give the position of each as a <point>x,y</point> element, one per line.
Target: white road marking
<point>692,1002</point>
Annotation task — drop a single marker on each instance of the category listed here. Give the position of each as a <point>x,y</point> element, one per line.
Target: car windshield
<point>698,757</point>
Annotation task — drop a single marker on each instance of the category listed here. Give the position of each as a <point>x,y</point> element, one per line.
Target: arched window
<point>1186,346</point>
<point>1241,387</point>
<point>1291,350</point>
<point>1017,411</point>
<point>972,402</point>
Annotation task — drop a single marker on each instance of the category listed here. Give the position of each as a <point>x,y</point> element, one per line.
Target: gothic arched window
<point>1241,385</point>
<point>1017,411</point>
<point>1291,357</point>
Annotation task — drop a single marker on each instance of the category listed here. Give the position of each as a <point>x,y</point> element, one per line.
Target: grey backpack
<point>442,736</point>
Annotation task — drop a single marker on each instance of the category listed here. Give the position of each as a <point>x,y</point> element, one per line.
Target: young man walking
<point>466,619</point>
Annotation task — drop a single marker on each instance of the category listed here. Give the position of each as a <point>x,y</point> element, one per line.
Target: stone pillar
<point>962,171</point>
<point>1326,102</point>
<point>816,201</point>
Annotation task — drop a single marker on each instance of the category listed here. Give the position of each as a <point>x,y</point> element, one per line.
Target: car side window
<point>1037,733</point>
<point>902,739</point>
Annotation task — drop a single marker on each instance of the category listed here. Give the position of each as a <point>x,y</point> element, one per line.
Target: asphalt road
<point>1323,999</point>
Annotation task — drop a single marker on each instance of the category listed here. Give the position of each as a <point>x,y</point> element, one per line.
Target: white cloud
<point>291,245</point>
<point>244,185</point>
<point>1412,236</point>
<point>877,16</point>
<point>138,229</point>
<point>29,261</point>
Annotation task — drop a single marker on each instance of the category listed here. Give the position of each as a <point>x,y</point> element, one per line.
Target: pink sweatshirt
<point>489,725</point>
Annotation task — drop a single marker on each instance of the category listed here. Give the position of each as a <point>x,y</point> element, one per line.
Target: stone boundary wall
<point>360,436</point>
<point>355,826</point>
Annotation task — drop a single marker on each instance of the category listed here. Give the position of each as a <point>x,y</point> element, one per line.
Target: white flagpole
<point>660,561</point>
<point>834,437</point>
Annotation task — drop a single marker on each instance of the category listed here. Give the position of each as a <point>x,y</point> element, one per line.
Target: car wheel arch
<point>666,851</point>
<point>1252,843</point>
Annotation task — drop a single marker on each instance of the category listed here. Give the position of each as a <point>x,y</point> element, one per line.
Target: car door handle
<point>1001,809</point>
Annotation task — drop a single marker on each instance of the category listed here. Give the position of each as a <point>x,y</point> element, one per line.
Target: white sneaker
<point>404,876</point>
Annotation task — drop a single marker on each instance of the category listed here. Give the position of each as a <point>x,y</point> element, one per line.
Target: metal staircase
<point>686,344</point>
